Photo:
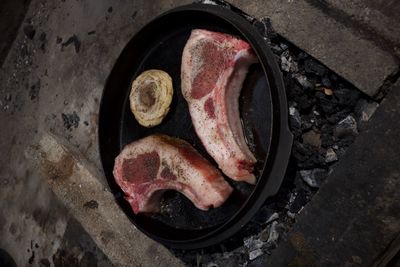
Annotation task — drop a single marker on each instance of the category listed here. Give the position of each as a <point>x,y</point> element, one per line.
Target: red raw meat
<point>214,66</point>
<point>147,167</point>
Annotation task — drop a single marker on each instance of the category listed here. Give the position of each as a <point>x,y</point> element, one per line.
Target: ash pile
<point>326,114</point>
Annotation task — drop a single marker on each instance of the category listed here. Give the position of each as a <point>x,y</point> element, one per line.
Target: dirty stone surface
<point>376,20</point>
<point>73,180</point>
<point>330,40</point>
<point>52,80</point>
<point>366,182</point>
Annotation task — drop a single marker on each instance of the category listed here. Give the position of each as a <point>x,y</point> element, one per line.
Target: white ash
<point>255,254</point>
<point>273,233</point>
<point>288,64</point>
<point>274,217</point>
<point>251,243</point>
<point>303,81</point>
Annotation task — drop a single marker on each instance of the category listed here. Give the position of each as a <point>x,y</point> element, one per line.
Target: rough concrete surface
<point>74,181</point>
<point>62,70</point>
<point>331,42</point>
<point>375,20</point>
<point>354,218</point>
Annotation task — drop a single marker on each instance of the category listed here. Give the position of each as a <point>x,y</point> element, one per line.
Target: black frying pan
<point>263,109</point>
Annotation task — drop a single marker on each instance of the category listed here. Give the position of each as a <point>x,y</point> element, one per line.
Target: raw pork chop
<point>214,66</point>
<point>147,167</point>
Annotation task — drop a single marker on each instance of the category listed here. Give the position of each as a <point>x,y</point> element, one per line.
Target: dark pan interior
<point>160,46</point>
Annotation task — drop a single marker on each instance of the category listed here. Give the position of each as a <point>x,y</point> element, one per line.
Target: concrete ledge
<point>358,60</point>
<point>74,182</point>
<point>354,218</point>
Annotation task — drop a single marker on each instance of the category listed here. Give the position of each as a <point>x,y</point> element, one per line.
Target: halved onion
<point>150,97</point>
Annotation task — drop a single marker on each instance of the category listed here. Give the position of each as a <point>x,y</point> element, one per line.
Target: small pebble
<point>346,127</point>
<point>273,233</point>
<point>274,216</point>
<point>313,178</point>
<point>255,254</point>
<point>303,81</point>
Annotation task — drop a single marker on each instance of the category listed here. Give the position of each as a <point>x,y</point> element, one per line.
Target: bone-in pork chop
<point>147,167</point>
<point>214,66</point>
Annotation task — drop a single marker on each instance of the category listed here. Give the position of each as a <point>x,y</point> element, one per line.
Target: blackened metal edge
<point>282,138</point>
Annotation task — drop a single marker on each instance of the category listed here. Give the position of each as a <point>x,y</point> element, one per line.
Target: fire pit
<point>326,113</point>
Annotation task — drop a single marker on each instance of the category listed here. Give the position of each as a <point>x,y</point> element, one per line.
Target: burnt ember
<point>326,114</point>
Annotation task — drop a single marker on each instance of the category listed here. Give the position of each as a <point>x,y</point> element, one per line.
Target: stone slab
<point>73,180</point>
<point>377,21</point>
<point>354,218</point>
<point>42,79</point>
<point>357,59</point>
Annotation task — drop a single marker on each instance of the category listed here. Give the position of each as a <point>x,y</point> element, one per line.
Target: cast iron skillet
<point>263,109</point>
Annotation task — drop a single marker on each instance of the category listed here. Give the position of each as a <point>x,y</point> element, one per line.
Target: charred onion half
<point>150,97</point>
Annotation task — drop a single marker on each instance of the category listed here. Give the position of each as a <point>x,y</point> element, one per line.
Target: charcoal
<point>229,259</point>
<point>299,200</point>
<point>330,156</point>
<point>303,81</point>
<point>314,178</point>
<point>273,233</point>
<point>287,64</point>
<point>276,49</point>
<point>346,97</point>
<point>346,127</point>
<point>274,217</point>
<point>300,151</point>
<point>283,46</point>
<point>326,103</point>
<point>326,81</point>
<point>333,77</point>
<point>327,139</point>
<point>264,234</point>
<point>263,215</point>
<point>311,66</point>
<point>312,138</point>
<point>302,56</point>
<point>307,122</point>
<point>271,34</point>
<point>252,243</point>
<point>295,119</point>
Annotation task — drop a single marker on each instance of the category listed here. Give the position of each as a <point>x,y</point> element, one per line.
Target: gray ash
<point>325,115</point>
